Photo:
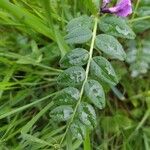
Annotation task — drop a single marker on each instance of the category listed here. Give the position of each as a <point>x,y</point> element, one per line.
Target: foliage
<point>66,76</point>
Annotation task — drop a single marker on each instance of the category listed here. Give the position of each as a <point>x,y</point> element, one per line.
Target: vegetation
<point>73,78</point>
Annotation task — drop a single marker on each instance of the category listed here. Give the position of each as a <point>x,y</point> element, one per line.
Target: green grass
<point>31,45</point>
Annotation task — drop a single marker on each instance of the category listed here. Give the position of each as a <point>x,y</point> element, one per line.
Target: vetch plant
<point>64,84</point>
<point>88,67</point>
<point>66,79</point>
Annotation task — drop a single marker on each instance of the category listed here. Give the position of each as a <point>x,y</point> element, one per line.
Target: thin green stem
<point>86,77</point>
<point>135,10</point>
<point>139,19</point>
<point>49,68</point>
<point>145,117</point>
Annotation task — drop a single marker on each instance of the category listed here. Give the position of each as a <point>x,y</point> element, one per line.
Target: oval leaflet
<point>78,35</point>
<point>87,115</point>
<point>67,96</point>
<point>76,57</point>
<point>94,91</point>
<point>61,113</point>
<point>110,46</point>
<point>72,76</point>
<point>102,69</point>
<point>116,26</point>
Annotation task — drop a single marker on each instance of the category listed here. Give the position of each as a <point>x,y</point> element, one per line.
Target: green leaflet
<point>95,93</point>
<point>76,57</point>
<point>79,30</point>
<point>78,129</point>
<point>102,69</point>
<point>109,45</point>
<point>144,11</point>
<point>116,26</point>
<point>67,96</point>
<point>61,113</point>
<point>141,26</point>
<point>86,118</point>
<point>83,21</point>
<point>87,115</point>
<point>72,77</point>
<point>78,35</point>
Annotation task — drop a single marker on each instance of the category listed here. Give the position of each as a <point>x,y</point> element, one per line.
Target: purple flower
<point>123,8</point>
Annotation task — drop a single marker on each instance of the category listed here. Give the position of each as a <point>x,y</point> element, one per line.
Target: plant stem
<point>135,10</point>
<point>145,117</point>
<point>49,68</point>
<point>85,80</point>
<point>139,19</point>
